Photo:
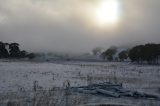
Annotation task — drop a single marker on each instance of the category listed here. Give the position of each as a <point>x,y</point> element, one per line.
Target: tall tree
<point>14,50</point>
<point>3,51</point>
<point>135,54</point>
<point>108,54</point>
<point>123,55</point>
<point>149,53</point>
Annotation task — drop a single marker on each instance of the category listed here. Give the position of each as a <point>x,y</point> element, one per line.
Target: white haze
<point>68,25</point>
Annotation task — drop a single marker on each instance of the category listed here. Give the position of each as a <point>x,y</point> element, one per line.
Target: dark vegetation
<point>148,53</point>
<point>109,53</point>
<point>12,50</point>
<point>123,55</point>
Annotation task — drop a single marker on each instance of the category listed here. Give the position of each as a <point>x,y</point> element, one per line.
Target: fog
<point>69,26</point>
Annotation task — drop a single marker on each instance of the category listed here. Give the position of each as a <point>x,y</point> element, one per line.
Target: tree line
<point>12,50</point>
<point>110,53</point>
<point>149,53</point>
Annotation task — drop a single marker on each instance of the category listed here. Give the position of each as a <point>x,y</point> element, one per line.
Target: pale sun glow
<point>108,12</point>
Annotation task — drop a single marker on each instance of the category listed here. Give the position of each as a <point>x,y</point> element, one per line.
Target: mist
<point>68,26</point>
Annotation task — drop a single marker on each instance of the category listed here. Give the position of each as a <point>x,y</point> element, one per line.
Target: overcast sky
<point>69,25</point>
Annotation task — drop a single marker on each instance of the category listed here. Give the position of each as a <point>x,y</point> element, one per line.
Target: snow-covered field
<point>17,80</point>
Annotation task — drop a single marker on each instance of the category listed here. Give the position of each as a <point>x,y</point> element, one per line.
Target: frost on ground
<point>18,79</point>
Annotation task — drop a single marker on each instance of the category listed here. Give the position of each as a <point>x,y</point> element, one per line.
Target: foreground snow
<point>21,76</point>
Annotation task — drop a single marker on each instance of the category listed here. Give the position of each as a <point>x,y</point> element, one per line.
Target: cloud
<point>68,25</point>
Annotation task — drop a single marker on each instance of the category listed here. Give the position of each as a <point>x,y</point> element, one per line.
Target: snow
<point>16,75</point>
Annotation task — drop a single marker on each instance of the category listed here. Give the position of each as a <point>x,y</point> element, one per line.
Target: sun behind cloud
<point>107,12</point>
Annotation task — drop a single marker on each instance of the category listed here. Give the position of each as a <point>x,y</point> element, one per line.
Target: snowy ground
<point>20,76</point>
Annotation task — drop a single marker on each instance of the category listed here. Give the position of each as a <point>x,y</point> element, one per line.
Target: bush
<point>31,56</point>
